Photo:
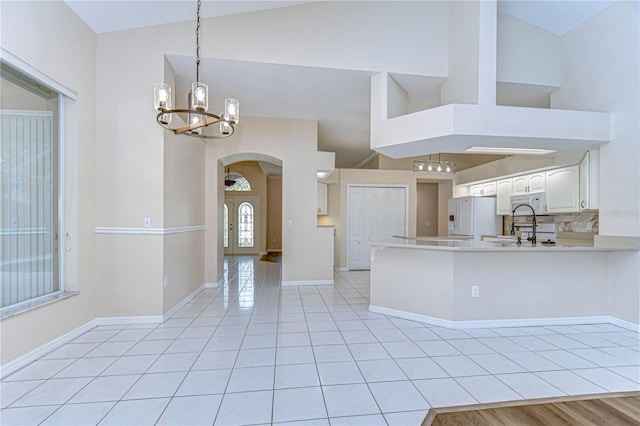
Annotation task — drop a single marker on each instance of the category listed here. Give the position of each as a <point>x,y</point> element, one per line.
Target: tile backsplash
<point>568,222</point>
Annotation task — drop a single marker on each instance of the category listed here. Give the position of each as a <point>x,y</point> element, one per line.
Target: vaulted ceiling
<point>338,99</point>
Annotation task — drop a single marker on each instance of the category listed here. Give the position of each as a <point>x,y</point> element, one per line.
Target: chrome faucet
<point>532,238</point>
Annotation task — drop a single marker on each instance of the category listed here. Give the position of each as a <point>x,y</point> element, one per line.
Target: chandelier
<point>434,166</point>
<point>195,120</point>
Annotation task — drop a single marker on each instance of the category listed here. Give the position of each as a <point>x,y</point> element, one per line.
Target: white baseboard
<point>212,285</point>
<point>524,322</point>
<point>148,319</point>
<point>307,282</point>
<point>183,302</point>
<point>26,359</point>
<point>625,324</point>
<point>341,269</point>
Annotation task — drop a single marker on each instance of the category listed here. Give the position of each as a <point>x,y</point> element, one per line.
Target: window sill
<point>29,305</point>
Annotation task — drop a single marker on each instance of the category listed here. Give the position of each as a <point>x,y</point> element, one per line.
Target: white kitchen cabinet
<point>534,182</point>
<point>563,190</point>
<point>322,199</point>
<point>483,189</point>
<point>503,196</point>
<point>589,168</point>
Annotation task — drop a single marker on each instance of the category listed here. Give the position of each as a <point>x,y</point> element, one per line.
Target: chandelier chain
<point>198,42</point>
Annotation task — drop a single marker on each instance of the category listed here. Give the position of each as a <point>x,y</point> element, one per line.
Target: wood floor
<point>609,409</point>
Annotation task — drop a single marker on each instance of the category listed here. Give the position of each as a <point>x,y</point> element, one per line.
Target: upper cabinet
<point>563,190</point>
<point>322,199</point>
<point>534,182</point>
<point>589,180</point>
<point>483,189</point>
<point>503,196</point>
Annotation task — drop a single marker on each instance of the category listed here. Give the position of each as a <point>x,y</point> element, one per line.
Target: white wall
<point>601,72</point>
<point>528,54</point>
<point>461,85</point>
<point>407,37</point>
<point>40,34</point>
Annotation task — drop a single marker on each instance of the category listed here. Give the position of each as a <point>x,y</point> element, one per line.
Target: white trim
<point>37,74</point>
<point>22,361</point>
<point>182,303</point>
<point>26,359</point>
<point>341,269</point>
<point>213,285</point>
<point>370,157</point>
<point>524,322</point>
<point>148,231</point>
<point>625,324</point>
<point>307,282</point>
<point>142,319</point>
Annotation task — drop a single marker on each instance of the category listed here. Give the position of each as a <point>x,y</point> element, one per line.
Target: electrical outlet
<point>165,281</point>
<point>475,291</point>
<point>147,222</point>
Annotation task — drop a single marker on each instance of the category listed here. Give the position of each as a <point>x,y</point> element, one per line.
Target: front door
<point>242,225</point>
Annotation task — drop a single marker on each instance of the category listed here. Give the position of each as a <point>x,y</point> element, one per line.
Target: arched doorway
<point>251,204</point>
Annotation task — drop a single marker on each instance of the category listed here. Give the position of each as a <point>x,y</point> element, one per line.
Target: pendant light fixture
<point>195,120</point>
<point>228,181</point>
<point>434,166</point>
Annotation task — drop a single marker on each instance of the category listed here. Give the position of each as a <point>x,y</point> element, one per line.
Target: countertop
<point>451,244</point>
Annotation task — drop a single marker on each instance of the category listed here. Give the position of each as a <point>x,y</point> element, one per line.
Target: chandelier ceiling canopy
<point>195,120</point>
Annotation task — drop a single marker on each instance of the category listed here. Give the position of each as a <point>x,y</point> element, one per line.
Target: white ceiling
<point>338,99</point>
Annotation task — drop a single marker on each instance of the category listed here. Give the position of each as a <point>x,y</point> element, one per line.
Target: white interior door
<point>242,224</point>
<point>374,213</point>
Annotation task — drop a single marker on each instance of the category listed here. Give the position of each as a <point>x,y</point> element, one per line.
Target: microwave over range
<point>537,200</point>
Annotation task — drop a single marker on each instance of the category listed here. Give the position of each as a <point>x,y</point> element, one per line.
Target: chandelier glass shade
<point>195,120</point>
<point>434,166</point>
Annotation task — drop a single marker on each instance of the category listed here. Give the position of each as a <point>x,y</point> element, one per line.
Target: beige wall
<point>39,34</point>
<point>183,254</point>
<point>427,210</point>
<point>274,213</point>
<point>283,141</point>
<point>337,209</point>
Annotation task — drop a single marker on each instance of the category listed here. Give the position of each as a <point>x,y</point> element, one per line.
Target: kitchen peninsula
<point>472,284</point>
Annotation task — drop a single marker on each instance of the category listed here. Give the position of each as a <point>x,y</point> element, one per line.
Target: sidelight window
<point>245,225</point>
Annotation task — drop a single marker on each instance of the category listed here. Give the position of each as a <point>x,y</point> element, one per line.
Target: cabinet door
<point>476,190</point>
<point>563,190</point>
<point>489,188</point>
<point>322,198</point>
<point>503,197</point>
<point>520,184</point>
<point>589,180</point>
<point>537,182</point>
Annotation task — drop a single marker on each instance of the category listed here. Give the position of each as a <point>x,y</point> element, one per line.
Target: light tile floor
<point>252,352</point>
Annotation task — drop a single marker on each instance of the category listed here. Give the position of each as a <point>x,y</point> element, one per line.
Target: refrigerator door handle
<point>455,219</point>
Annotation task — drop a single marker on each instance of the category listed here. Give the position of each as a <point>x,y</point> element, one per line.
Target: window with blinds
<point>29,266</point>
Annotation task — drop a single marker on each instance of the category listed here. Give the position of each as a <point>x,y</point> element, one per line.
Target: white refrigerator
<point>474,217</point>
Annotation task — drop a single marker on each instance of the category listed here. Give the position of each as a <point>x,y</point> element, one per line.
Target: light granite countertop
<point>456,244</point>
